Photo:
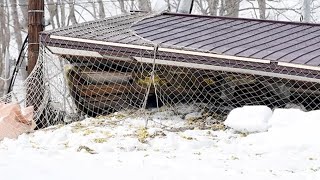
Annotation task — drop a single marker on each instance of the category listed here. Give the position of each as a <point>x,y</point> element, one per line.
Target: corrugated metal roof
<point>113,29</point>
<point>270,40</point>
<point>297,43</point>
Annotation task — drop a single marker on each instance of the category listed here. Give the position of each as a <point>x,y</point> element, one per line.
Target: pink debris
<point>15,121</point>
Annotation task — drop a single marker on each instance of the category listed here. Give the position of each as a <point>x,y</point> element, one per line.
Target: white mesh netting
<point>102,67</point>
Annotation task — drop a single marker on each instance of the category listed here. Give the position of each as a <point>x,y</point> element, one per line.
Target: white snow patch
<point>109,147</point>
<point>249,119</point>
<point>294,127</point>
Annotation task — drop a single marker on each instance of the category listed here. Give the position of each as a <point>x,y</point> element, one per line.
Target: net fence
<point>100,67</point>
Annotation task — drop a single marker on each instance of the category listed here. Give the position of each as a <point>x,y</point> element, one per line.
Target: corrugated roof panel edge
<point>179,51</point>
<point>185,52</point>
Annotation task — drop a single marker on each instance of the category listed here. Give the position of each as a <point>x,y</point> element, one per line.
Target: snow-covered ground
<point>181,144</point>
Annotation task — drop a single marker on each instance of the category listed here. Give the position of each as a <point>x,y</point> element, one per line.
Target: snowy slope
<point>118,146</point>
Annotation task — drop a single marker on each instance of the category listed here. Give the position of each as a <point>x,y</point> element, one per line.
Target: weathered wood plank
<point>95,90</point>
<point>110,97</point>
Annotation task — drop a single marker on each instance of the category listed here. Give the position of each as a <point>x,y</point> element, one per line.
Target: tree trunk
<point>16,23</point>
<point>24,10</point>
<point>52,12</point>
<point>102,13</point>
<point>232,8</point>
<point>203,9</point>
<point>63,13</point>
<point>132,6</point>
<point>2,35</point>
<point>213,7</point>
<point>7,29</point>
<point>144,5</point>
<point>72,16</point>
<point>57,13</point>
<point>262,8</point>
<point>168,5</point>
<point>307,10</point>
<point>222,8</point>
<point>122,7</point>
<point>93,3</point>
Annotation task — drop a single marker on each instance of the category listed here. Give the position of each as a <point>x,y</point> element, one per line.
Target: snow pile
<point>294,127</point>
<point>249,119</point>
<point>286,128</point>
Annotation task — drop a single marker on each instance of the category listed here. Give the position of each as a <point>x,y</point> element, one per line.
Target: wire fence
<point>73,79</point>
<point>79,76</point>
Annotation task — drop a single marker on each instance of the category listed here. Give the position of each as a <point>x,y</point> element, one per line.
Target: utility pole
<point>35,85</point>
<point>35,26</point>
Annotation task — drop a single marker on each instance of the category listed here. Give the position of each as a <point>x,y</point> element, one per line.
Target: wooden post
<point>35,84</point>
<point>35,26</point>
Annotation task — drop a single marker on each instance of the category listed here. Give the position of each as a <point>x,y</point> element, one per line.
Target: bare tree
<point>122,7</point>
<point>52,8</point>
<point>5,21</point>
<point>57,13</point>
<point>23,4</point>
<point>132,6</point>
<point>63,13</point>
<point>72,16</point>
<point>222,8</point>
<point>16,23</point>
<point>307,10</point>
<point>201,5</point>
<point>3,38</point>
<point>144,5</point>
<point>2,27</point>
<point>102,13</point>
<point>232,8</point>
<point>213,7</point>
<point>93,4</point>
<point>262,8</point>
